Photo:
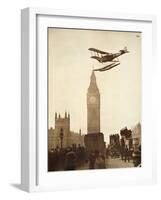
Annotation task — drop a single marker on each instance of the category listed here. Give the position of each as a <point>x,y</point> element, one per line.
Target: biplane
<point>102,57</point>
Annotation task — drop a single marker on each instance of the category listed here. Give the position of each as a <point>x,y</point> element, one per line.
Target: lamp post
<point>61,138</point>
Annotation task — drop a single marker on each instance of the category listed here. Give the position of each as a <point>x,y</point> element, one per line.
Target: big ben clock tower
<point>93,106</point>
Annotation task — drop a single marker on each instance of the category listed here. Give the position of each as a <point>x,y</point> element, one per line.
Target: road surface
<point>112,163</point>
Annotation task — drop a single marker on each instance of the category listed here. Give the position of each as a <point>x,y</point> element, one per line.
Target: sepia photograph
<point>94,99</point>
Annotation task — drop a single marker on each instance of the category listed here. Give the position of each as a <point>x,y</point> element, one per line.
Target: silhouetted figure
<point>70,160</point>
<point>92,159</point>
<point>137,157</point>
<point>107,152</point>
<point>122,148</point>
<point>61,155</point>
<point>130,154</point>
<point>100,162</point>
<point>126,153</point>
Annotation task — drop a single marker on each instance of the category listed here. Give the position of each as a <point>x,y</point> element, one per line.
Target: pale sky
<point>69,71</point>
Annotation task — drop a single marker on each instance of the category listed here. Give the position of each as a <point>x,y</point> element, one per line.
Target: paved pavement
<point>118,163</point>
<point>112,163</point>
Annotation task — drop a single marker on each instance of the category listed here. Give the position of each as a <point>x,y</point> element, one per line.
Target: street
<point>118,163</point>
<point>112,163</point>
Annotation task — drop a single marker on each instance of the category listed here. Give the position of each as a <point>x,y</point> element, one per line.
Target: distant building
<point>115,140</point>
<point>62,135</point>
<point>136,136</point>
<point>51,138</point>
<point>77,138</point>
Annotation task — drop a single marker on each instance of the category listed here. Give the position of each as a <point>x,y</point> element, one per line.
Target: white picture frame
<point>32,178</point>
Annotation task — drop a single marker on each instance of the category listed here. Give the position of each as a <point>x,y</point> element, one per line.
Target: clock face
<point>92,99</point>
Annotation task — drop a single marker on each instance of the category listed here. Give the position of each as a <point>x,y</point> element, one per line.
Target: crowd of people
<point>97,160</point>
<point>72,158</point>
<point>66,158</point>
<point>125,153</point>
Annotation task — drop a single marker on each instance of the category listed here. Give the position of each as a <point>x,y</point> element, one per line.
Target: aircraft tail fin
<point>124,50</point>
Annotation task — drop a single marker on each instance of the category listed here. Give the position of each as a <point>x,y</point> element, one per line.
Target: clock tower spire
<point>93,106</point>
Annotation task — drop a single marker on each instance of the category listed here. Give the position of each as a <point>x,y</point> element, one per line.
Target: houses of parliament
<point>62,135</point>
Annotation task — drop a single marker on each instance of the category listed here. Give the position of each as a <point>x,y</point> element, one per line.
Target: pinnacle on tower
<point>55,115</point>
<point>93,83</point>
<point>93,77</point>
<point>80,132</point>
<point>69,115</point>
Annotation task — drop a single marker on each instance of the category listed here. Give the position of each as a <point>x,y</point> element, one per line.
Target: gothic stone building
<point>62,136</point>
<point>136,136</point>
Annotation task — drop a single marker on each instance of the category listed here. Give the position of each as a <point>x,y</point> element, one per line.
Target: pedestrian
<point>92,159</point>
<point>107,152</point>
<point>100,162</point>
<point>126,153</point>
<point>70,160</point>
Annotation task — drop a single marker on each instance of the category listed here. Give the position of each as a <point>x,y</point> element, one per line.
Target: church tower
<point>93,106</point>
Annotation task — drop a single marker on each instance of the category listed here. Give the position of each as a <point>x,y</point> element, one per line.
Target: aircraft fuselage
<point>107,57</point>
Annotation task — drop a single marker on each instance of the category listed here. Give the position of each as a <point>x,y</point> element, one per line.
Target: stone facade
<point>68,138</point>
<point>63,124</point>
<point>94,140</point>
<point>115,140</point>
<point>136,136</point>
<point>93,106</point>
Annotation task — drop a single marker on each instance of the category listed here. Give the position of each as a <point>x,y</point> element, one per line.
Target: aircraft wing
<point>104,68</point>
<point>107,67</point>
<point>111,67</point>
<point>98,51</point>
